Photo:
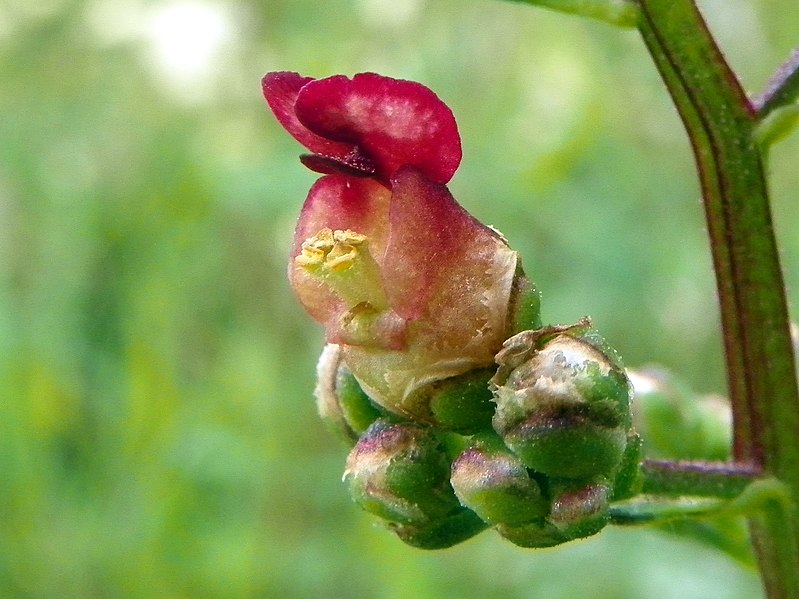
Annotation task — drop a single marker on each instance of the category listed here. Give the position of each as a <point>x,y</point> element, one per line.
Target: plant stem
<point>673,490</point>
<point>623,13</point>
<point>724,481</point>
<point>759,355</point>
<point>783,89</point>
<point>682,491</point>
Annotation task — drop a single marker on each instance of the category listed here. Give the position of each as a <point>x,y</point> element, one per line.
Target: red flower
<point>411,286</point>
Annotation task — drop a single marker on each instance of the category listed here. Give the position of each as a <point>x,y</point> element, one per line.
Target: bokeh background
<point>158,436</point>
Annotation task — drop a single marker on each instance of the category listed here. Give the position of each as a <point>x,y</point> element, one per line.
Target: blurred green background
<point>158,436</point>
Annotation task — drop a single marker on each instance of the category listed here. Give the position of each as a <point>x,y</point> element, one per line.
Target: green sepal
<point>629,481</point>
<point>608,396</point>
<point>525,309</point>
<point>358,409</point>
<point>464,403</point>
<point>441,533</point>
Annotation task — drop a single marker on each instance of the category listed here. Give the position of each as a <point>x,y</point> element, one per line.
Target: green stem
<point>674,490</point>
<point>646,509</point>
<point>699,491</point>
<point>623,13</point>
<point>699,479</point>
<point>760,365</point>
<point>783,89</point>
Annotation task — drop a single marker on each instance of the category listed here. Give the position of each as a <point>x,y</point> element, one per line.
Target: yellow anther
<point>335,250</point>
<point>324,240</point>
<point>349,237</point>
<point>310,257</point>
<point>341,257</point>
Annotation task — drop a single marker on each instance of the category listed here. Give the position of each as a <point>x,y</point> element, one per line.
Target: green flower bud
<point>462,404</point>
<point>533,535</point>
<point>563,401</point>
<point>441,533</point>
<point>400,472</point>
<point>577,511</point>
<point>341,402</point>
<point>580,511</point>
<point>495,484</point>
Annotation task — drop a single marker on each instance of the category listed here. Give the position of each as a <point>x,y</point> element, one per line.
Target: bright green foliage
<point>360,412</point>
<point>526,313</point>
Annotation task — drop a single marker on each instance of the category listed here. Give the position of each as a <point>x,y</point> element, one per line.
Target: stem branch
<point>783,89</point>
<point>761,375</point>
<point>725,481</point>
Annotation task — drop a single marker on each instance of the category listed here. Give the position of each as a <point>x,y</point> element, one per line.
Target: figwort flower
<point>412,288</point>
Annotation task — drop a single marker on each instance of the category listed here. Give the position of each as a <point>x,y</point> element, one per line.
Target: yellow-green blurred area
<point>158,434</point>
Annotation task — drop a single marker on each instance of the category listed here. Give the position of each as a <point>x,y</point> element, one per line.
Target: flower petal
<point>436,247</point>
<point>341,202</point>
<point>281,90</point>
<point>392,122</point>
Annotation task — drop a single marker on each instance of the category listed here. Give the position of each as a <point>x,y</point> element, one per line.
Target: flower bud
<point>563,402</point>
<point>533,535</point>
<point>580,511</point>
<point>495,484</point>
<point>462,404</point>
<point>400,472</point>
<point>341,402</point>
<point>577,511</point>
<point>441,533</point>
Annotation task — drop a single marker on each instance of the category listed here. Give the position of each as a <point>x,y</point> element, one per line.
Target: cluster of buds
<point>542,470</point>
<point>462,410</point>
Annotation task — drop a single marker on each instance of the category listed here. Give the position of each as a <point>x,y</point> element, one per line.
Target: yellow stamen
<point>336,251</point>
<point>342,261</point>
